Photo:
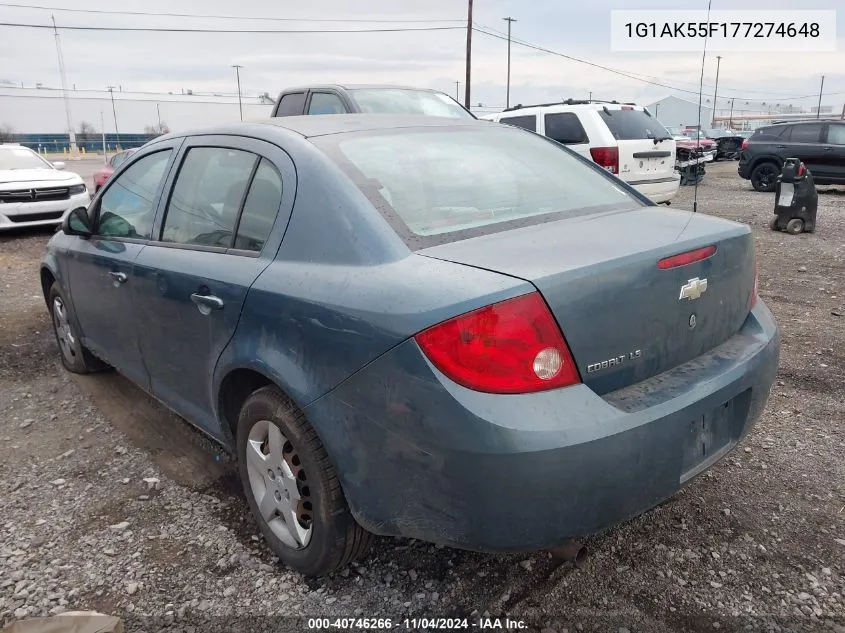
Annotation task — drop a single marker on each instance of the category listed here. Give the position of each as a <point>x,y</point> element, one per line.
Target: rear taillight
<point>802,169</point>
<point>689,257</point>
<point>744,144</point>
<point>514,346</point>
<point>607,157</point>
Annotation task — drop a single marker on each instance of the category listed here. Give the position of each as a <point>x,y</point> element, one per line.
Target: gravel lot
<point>112,503</point>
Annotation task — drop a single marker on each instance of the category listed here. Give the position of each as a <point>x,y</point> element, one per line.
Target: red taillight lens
<point>802,169</point>
<point>607,157</point>
<point>744,144</point>
<point>689,257</point>
<point>514,346</point>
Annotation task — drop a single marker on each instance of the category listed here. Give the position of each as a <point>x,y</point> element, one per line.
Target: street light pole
<point>114,113</point>
<point>458,91</point>
<point>468,81</point>
<point>237,68</point>
<point>716,91</point>
<point>509,20</point>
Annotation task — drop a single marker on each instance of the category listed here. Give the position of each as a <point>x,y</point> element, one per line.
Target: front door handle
<point>780,146</point>
<point>206,303</point>
<point>828,149</point>
<point>118,278</point>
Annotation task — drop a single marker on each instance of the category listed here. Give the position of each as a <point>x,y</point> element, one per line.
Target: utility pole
<point>458,91</point>
<point>590,98</point>
<point>731,116</point>
<point>71,133</point>
<point>103,128</point>
<point>114,112</point>
<point>509,20</point>
<point>716,90</point>
<point>238,76</point>
<point>819,109</point>
<point>469,55</point>
<point>158,114</point>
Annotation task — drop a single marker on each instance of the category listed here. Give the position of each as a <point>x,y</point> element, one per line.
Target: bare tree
<point>86,129</point>
<point>157,130</point>
<point>7,133</point>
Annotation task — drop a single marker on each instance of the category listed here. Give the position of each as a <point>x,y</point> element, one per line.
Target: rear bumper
<point>422,457</point>
<point>23,215</point>
<point>659,190</point>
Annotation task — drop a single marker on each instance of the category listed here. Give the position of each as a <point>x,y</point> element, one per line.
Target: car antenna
<point>700,92</point>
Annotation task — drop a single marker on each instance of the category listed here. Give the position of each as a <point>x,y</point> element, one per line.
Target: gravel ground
<point>111,503</point>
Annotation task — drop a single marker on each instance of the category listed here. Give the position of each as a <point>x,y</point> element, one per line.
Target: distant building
<point>676,112</point>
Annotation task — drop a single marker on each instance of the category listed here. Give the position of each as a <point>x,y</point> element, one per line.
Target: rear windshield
<point>629,125</point>
<point>399,101</point>
<point>440,185</point>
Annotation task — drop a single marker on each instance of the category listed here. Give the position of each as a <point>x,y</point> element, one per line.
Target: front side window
<point>564,127</point>
<point>455,183</point>
<point>528,122</point>
<point>325,103</point>
<point>127,208</point>
<point>207,196</point>
<point>836,134</point>
<point>260,209</point>
<point>805,133</point>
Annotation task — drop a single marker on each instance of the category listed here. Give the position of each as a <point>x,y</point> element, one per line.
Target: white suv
<point>34,192</point>
<point>623,138</point>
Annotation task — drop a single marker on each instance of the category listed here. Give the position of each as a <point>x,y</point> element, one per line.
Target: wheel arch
<point>48,278</point>
<point>766,159</point>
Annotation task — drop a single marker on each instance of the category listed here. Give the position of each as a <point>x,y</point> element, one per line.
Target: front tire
<point>795,226</point>
<point>74,356</point>
<point>292,488</point>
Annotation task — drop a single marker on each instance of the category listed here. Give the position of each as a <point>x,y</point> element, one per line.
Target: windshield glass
<point>630,124</point>
<point>21,158</point>
<point>465,181</point>
<point>401,101</point>
<point>674,131</point>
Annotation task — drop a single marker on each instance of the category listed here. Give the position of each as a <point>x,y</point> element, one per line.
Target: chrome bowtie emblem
<point>693,289</point>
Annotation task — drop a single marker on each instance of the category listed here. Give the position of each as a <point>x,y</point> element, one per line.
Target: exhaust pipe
<point>572,551</point>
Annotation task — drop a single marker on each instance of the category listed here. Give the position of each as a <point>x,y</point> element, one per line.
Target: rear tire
<point>774,224</point>
<point>764,177</point>
<point>75,357</point>
<point>795,226</point>
<point>292,487</point>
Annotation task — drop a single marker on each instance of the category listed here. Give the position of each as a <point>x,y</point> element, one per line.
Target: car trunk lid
<point>624,318</point>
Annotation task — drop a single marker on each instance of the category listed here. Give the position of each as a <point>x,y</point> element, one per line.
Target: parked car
<point>367,99</point>
<point>820,145</point>
<point>691,154</point>
<point>35,192</point>
<point>728,144</point>
<point>623,138</point>
<point>113,163</point>
<point>435,328</point>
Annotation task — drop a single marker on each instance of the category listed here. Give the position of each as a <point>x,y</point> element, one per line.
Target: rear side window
<point>767,133</point>
<point>260,209</point>
<point>435,186</point>
<point>207,196</point>
<point>808,133</point>
<point>291,104</point>
<point>631,125</point>
<point>564,127</point>
<point>525,122</point>
<point>325,103</point>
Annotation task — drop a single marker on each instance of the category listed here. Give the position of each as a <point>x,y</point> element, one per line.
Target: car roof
<point>530,110</point>
<point>355,87</point>
<point>326,124</point>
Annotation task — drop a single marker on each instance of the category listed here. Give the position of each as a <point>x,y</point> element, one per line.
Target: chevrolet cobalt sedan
<point>417,326</point>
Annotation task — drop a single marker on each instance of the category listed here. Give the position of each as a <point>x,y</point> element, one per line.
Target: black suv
<point>337,99</point>
<point>819,144</point>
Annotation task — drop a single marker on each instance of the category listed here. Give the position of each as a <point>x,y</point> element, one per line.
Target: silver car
<point>35,192</point>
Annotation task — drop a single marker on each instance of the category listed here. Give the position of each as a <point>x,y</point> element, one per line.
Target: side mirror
<point>77,223</point>
<point>59,165</point>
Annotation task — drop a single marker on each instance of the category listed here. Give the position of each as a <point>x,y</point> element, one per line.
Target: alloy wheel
<point>64,331</point>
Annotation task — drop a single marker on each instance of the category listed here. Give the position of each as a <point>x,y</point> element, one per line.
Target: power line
<point>187,30</point>
<point>223,17</point>
<point>106,98</point>
<point>616,71</point>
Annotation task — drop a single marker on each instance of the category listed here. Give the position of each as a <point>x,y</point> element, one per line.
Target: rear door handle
<point>780,146</point>
<point>828,149</point>
<point>206,303</point>
<point>118,278</point>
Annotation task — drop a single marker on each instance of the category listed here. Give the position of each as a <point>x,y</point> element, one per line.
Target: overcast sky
<point>173,61</point>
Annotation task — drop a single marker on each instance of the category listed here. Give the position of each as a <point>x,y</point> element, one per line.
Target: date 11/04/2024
<point>415,624</point>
